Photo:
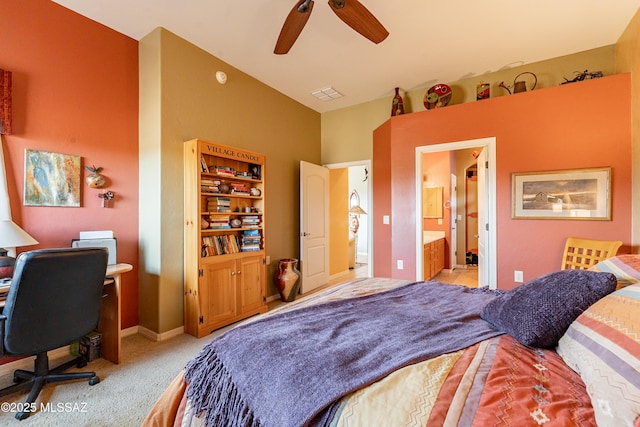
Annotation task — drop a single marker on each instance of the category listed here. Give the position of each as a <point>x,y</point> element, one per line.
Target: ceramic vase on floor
<point>287,279</point>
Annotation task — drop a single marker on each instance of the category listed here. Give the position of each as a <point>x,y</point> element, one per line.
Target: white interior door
<point>483,272</point>
<point>314,226</point>
<point>453,241</point>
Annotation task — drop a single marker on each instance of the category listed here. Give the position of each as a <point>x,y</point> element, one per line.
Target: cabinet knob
<point>239,272</point>
<point>233,273</point>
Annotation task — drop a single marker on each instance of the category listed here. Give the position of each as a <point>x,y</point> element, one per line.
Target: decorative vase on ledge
<point>397,106</point>
<point>287,279</point>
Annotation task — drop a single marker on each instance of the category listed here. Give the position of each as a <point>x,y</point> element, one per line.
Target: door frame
<point>490,144</point>
<point>368,208</point>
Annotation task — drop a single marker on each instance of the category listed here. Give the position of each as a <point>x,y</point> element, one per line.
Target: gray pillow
<point>539,312</point>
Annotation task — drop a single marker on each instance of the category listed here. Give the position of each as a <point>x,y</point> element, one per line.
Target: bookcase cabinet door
<point>250,283</point>
<point>218,293</point>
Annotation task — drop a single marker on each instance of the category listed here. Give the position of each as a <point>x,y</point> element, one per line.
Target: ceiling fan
<point>352,12</point>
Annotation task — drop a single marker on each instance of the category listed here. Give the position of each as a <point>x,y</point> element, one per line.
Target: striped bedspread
<point>496,382</point>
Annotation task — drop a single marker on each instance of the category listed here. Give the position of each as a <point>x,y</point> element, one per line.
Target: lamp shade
<point>12,236</point>
<point>357,210</point>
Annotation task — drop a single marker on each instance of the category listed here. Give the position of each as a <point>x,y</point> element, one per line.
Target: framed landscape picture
<point>578,194</point>
<point>51,179</point>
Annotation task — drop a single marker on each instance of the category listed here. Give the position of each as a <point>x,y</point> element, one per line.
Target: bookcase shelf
<point>224,235</point>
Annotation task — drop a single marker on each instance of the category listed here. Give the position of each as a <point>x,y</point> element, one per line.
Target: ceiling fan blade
<point>293,25</point>
<point>358,17</point>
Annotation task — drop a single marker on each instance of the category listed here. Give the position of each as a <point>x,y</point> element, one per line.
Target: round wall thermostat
<point>221,76</point>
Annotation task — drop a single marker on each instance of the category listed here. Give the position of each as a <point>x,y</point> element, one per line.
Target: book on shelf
<point>250,241</point>
<point>218,223</point>
<point>219,245</point>
<point>251,221</point>
<point>218,204</point>
<point>240,188</point>
<point>225,170</point>
<point>203,165</point>
<point>210,186</point>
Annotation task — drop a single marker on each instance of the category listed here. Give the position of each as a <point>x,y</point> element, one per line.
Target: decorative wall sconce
<point>106,197</point>
<point>94,179</point>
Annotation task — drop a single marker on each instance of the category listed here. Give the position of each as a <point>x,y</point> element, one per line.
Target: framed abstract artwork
<point>51,179</point>
<point>578,194</point>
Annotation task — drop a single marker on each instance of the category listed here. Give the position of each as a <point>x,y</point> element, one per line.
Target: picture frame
<point>51,179</point>
<point>572,194</point>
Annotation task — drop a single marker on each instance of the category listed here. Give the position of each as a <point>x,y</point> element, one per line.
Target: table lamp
<point>11,236</point>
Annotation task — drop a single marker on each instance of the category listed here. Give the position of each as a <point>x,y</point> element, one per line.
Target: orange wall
<point>75,91</point>
<point>437,168</point>
<point>578,125</point>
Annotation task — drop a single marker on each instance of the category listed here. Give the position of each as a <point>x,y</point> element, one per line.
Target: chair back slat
<point>581,254</point>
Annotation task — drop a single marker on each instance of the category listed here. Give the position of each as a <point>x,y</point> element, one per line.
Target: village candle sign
<point>232,153</point>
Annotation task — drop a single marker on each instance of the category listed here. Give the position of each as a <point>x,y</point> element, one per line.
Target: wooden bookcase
<point>224,235</point>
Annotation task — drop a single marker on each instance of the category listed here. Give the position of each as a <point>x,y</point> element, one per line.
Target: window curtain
<point>5,102</point>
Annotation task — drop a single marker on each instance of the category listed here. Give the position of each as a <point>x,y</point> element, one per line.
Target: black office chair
<point>54,299</point>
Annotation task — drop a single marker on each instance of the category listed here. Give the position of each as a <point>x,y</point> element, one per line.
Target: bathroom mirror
<point>432,202</point>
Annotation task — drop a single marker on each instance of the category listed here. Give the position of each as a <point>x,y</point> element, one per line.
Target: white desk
<point>110,314</point>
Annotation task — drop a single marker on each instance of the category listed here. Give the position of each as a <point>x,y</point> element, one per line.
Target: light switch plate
<point>518,276</point>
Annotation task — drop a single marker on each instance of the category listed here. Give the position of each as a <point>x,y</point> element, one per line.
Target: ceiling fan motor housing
<point>304,7</point>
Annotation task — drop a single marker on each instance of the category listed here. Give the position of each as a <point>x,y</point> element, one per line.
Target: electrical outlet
<point>400,264</point>
<point>385,219</point>
<point>517,276</point>
<point>268,259</point>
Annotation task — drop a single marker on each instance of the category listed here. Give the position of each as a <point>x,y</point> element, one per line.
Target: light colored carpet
<point>126,392</point>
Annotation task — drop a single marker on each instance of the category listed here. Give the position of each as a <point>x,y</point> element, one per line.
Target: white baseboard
<point>338,275</point>
<point>273,297</point>
<point>154,336</point>
<point>27,362</point>
<point>129,331</point>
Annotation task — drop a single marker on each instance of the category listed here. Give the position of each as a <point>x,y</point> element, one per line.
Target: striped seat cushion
<point>603,346</point>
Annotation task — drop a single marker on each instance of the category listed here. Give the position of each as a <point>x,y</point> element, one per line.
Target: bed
<point>559,350</point>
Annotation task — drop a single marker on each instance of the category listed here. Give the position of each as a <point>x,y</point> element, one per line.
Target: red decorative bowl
<point>437,96</point>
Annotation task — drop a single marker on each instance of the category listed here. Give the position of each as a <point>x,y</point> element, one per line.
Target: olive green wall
<point>149,181</point>
<point>347,134</point>
<point>628,60</point>
<point>180,100</point>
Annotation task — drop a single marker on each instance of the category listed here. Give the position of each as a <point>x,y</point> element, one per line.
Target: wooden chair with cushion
<point>581,254</point>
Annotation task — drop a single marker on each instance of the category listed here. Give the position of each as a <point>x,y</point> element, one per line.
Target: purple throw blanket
<point>289,369</point>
